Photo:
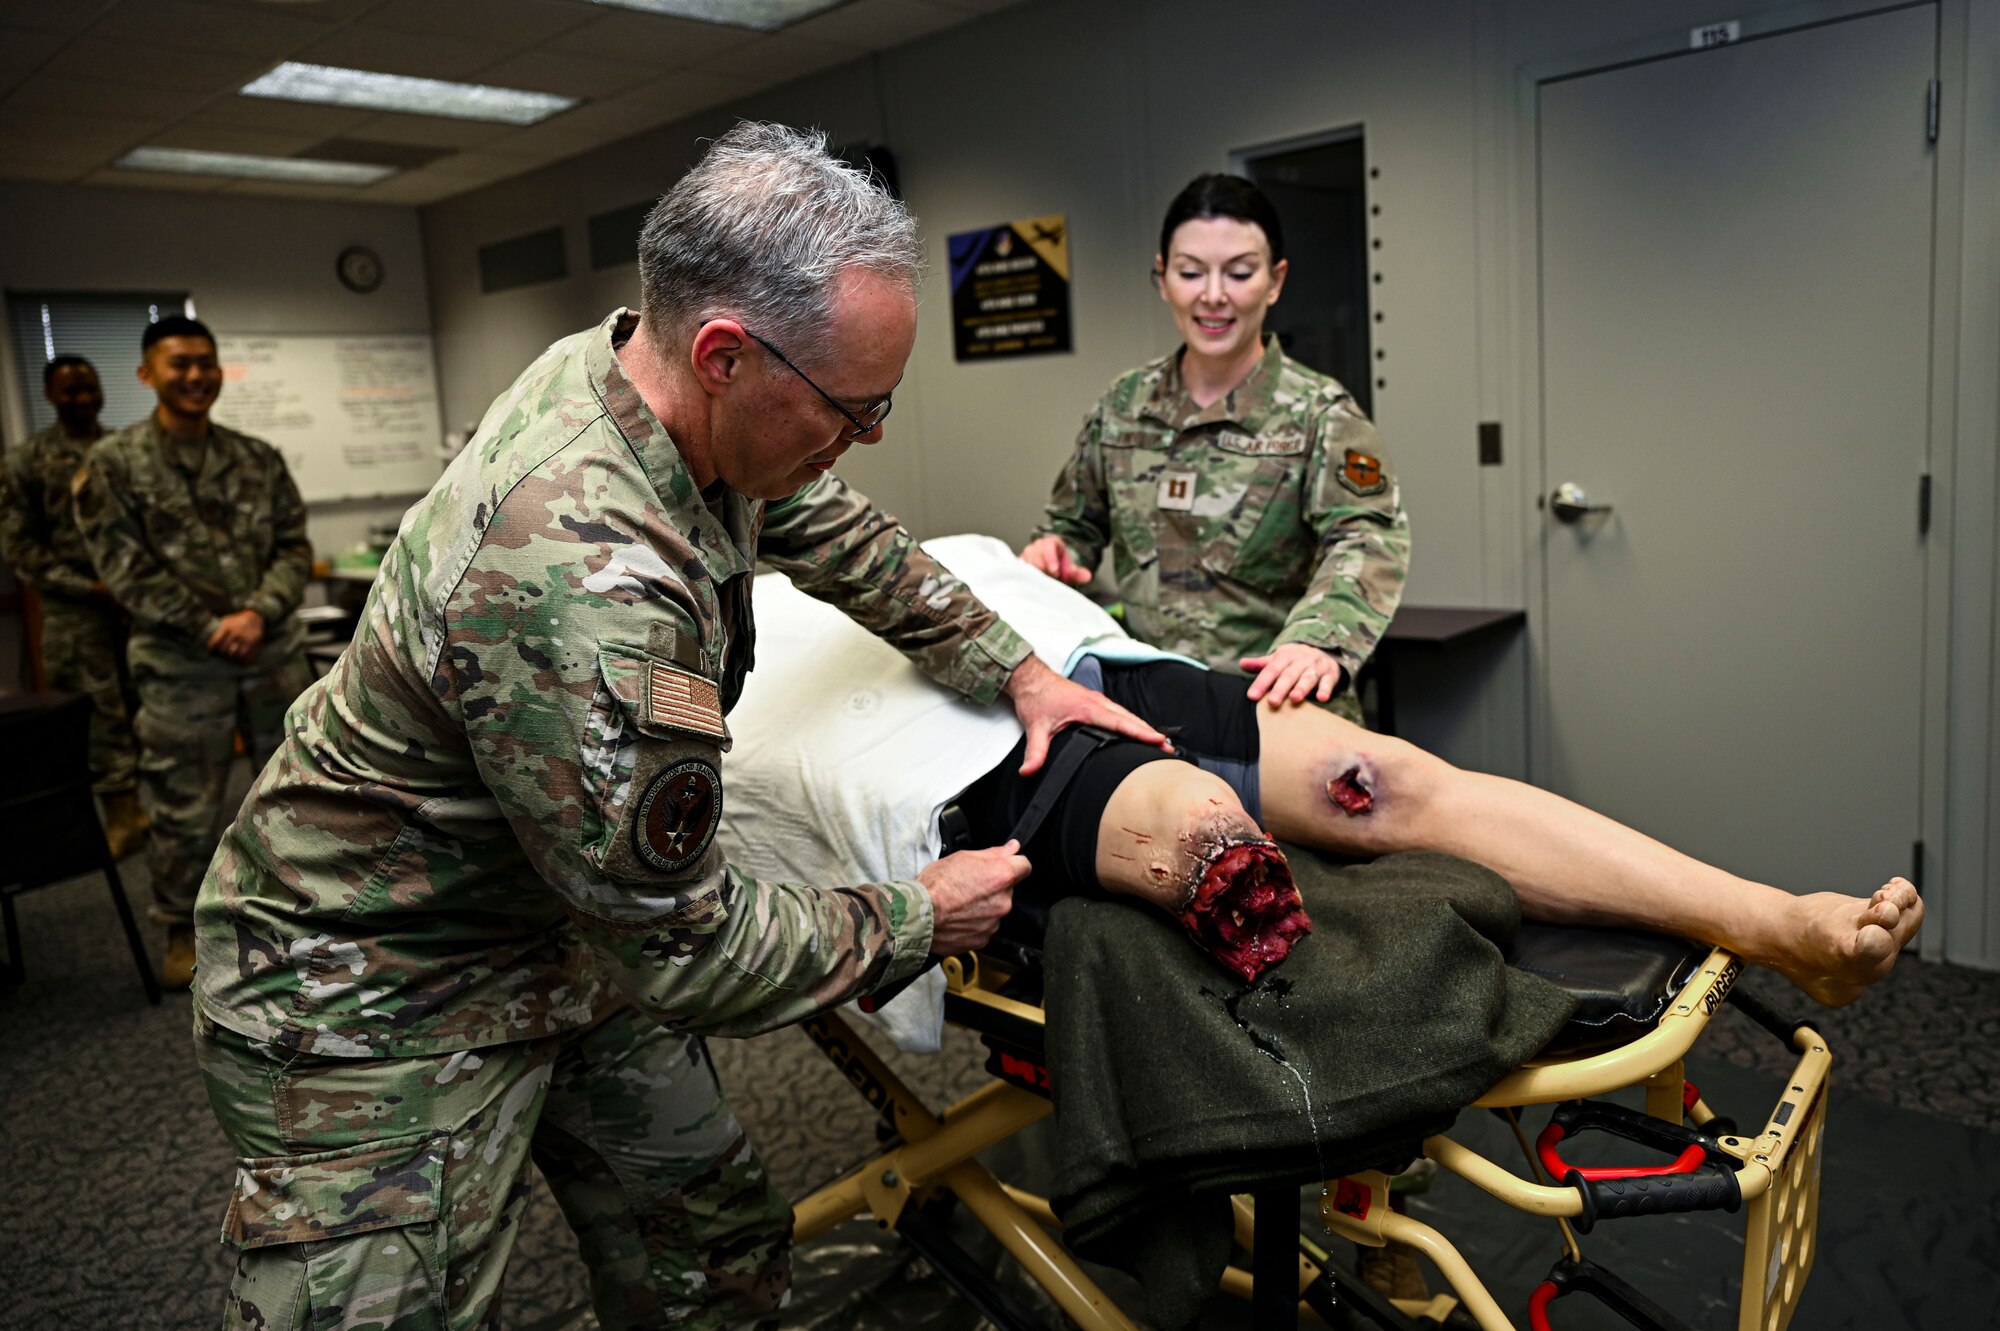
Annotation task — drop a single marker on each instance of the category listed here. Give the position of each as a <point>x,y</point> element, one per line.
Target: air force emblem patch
<point>1362,473</point>
<point>678,815</point>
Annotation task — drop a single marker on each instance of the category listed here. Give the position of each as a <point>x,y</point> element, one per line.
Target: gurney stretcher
<point>1643,1001</point>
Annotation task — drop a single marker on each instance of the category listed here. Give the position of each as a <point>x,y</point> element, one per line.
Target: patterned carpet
<point>115,1174</point>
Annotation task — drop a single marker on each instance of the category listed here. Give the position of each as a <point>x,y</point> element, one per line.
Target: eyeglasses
<point>871,415</point>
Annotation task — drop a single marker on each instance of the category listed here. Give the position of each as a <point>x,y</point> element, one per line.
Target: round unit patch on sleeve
<point>678,815</point>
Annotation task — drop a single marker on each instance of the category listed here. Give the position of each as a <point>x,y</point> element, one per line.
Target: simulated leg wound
<point>1246,911</point>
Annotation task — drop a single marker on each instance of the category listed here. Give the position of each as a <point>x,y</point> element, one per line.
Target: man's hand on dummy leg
<point>971,892</point>
<point>1046,702</point>
<point>1051,555</point>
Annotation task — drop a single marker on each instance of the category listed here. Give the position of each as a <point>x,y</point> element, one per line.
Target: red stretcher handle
<point>1686,1162</point>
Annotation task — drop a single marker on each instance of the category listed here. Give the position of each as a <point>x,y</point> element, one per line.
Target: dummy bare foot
<point>1840,945</point>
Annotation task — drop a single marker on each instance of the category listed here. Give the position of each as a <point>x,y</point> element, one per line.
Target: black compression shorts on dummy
<point>1212,722</point>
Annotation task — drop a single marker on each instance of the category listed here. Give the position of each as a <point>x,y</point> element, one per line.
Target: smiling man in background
<point>83,630</point>
<point>200,533</point>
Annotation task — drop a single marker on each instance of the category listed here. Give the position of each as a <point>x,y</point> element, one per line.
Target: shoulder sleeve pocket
<point>653,765</point>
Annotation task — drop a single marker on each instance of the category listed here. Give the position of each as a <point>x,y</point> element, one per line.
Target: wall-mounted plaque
<point>1010,289</point>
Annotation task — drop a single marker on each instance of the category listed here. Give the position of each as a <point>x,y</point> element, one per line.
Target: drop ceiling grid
<point>81,84</point>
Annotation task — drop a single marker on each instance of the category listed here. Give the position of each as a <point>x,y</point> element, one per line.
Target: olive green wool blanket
<point>1177,1085</point>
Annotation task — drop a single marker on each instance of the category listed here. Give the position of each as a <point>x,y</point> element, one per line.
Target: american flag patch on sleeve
<point>680,700</point>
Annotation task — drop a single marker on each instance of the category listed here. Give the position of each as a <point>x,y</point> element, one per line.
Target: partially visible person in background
<point>1251,520</point>
<point>200,533</point>
<point>83,628</point>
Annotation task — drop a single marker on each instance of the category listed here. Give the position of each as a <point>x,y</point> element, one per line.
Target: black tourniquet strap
<point>1061,770</point>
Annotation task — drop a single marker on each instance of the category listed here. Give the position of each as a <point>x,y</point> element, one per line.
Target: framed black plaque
<point>1010,289</point>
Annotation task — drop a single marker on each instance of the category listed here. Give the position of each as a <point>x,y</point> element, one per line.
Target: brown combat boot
<point>125,823</point>
<point>177,967</point>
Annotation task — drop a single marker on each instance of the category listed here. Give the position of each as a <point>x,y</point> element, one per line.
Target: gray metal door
<point>1735,279</point>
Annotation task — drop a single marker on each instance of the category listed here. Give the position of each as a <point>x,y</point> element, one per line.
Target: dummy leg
<point>1178,837</point>
<point>1329,783</point>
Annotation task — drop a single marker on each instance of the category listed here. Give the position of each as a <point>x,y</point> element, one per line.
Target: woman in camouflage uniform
<point>1251,520</point>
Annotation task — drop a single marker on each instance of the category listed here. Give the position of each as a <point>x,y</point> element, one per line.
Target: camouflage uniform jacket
<point>38,531</point>
<point>1268,517</point>
<point>184,535</point>
<point>501,802</point>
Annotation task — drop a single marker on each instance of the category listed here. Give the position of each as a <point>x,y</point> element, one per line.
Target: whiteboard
<point>355,416</point>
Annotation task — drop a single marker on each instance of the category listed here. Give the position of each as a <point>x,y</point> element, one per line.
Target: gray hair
<point>760,229</point>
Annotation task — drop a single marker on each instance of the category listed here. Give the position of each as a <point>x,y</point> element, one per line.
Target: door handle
<point>1571,504</point>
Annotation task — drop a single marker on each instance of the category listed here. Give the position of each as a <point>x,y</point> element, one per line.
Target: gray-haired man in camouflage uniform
<point>200,533</point>
<point>473,914</point>
<point>83,630</point>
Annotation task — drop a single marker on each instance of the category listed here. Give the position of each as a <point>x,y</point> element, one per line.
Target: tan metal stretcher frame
<point>1778,1173</point>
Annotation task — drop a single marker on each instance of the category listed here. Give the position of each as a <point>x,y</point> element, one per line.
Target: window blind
<point>102,327</point>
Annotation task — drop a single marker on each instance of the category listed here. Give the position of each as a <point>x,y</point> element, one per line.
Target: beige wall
<point>1102,110</point>
<point>253,265</point>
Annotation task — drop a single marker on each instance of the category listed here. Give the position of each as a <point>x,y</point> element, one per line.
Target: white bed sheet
<point>845,753</point>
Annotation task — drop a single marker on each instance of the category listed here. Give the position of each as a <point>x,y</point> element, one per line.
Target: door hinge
<point>1924,504</point>
<point>1931,111</point>
<point>1917,866</point>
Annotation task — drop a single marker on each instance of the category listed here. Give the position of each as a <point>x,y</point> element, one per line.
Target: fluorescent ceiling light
<point>304,170</point>
<point>295,82</point>
<point>763,15</point>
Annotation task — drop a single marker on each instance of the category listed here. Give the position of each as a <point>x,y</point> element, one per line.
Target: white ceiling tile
<point>142,66</point>
<point>477,165</point>
<point>776,58</point>
<point>876,25</point>
<point>41,15</point>
<point>454,175</point>
<point>422,54</point>
<point>568,74</point>
<point>12,168</point>
<point>333,11</point>
<point>653,39</point>
<point>47,94</point>
<point>68,137</point>
<point>598,123</point>
<point>428,131</point>
<point>257,30</point>
<point>234,139</point>
<point>287,189</point>
<point>684,94</point>
<point>591,123</point>
<point>397,190</point>
<point>517,22</point>
<point>407,190</point>
<point>269,113</point>
<point>76,153</point>
<point>23,49</point>
<point>156,180</point>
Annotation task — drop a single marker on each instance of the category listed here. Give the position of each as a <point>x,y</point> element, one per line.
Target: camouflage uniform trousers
<point>386,1194</point>
<point>83,651</point>
<point>191,708</point>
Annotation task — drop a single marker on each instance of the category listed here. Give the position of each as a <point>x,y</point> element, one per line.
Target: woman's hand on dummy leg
<point>1052,556</point>
<point>1291,674</point>
<point>971,892</point>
